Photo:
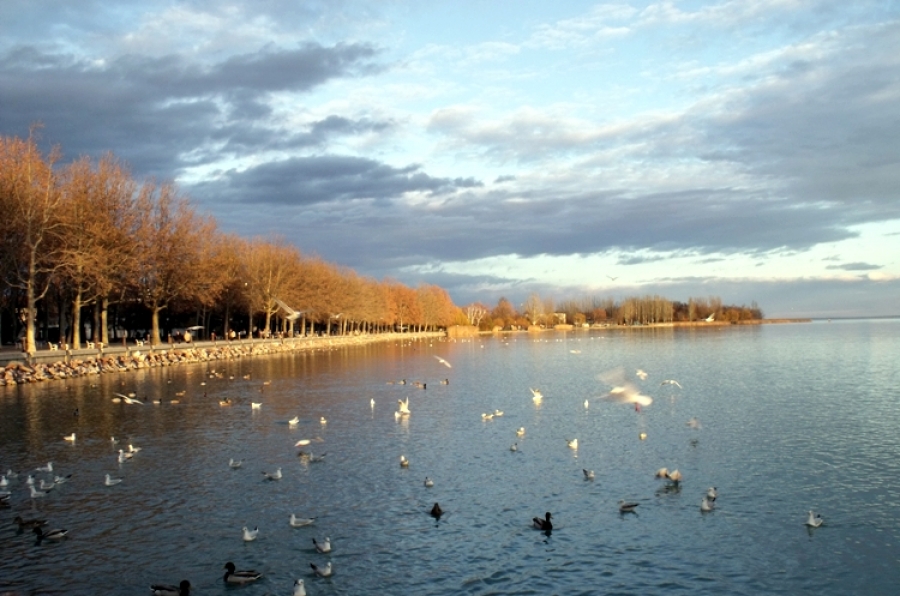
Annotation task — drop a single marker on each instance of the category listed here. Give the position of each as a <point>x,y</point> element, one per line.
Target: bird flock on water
<point>43,479</point>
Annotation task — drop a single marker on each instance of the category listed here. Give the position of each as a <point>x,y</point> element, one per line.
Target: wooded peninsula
<point>90,254</point>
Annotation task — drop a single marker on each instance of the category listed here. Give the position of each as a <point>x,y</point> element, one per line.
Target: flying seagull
<point>444,362</point>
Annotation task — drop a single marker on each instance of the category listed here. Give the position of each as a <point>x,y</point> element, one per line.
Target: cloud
<point>854,267</point>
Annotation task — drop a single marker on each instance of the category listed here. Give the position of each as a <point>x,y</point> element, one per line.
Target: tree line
<point>644,310</point>
<point>86,245</point>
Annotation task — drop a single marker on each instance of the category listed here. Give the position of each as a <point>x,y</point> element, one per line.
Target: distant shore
<point>47,365</point>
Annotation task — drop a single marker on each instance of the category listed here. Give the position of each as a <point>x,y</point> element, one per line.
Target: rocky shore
<point>18,372</point>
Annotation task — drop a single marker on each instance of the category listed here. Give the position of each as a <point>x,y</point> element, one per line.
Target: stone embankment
<point>124,360</point>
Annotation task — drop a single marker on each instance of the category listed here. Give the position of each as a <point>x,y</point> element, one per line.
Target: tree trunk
<point>76,320</point>
<point>103,324</point>
<point>154,326</point>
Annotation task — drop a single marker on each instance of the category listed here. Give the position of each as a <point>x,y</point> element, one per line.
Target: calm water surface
<point>794,417</point>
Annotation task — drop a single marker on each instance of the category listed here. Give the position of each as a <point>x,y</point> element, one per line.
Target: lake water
<point>793,417</point>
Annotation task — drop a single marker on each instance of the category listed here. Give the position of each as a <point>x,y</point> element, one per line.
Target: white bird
<point>671,382</point>
<point>627,506</point>
<point>4,481</point>
<point>299,522</point>
<point>110,481</point>
<point>255,405</point>
<point>710,318</point>
<point>47,468</point>
<point>47,486</point>
<point>712,493</point>
<point>70,438</point>
<point>250,535</point>
<point>322,420</point>
<point>30,480</point>
<point>498,412</point>
<point>234,465</point>
<point>514,447</point>
<point>372,402</point>
<point>444,362</point>
<point>35,493</point>
<point>302,443</point>
<point>299,588</point>
<point>520,432</point>
<point>322,571</point>
<point>487,416</point>
<point>573,443</point>
<point>814,520</point>
<point>133,449</point>
<point>588,474</point>
<point>324,546</point>
<point>662,473</point>
<point>404,463</point>
<point>428,482</point>
<point>113,440</point>
<point>694,423</point>
<point>124,456</point>
<point>641,374</point>
<point>536,395</point>
<point>623,391</point>
<point>404,405</point>
<point>61,479</point>
<point>294,421</point>
<point>587,404</point>
<point>276,475</point>
<point>706,505</point>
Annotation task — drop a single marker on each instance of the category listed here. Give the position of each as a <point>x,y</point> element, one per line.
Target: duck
<point>324,546</point>
<point>627,506</point>
<point>543,524</point>
<point>428,482</point>
<point>706,505</point>
<point>50,534</point>
<point>29,524</point>
<point>235,464</point>
<point>436,511</point>
<point>299,588</point>
<point>588,474</point>
<point>110,481</point>
<point>250,535</point>
<point>239,577</point>
<point>325,571</point>
<point>814,520</point>
<point>299,522</point>
<point>182,589</point>
<point>276,475</point>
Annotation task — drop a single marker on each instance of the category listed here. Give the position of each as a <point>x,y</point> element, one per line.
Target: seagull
<point>588,474</point>
<point>294,421</point>
<point>694,423</point>
<point>322,420</point>
<point>536,395</point>
<point>47,486</point>
<point>36,494</point>
<point>487,416</point>
<point>322,571</point>
<point>814,520</point>
<point>498,412</point>
<point>4,481</point>
<point>47,468</point>
<point>671,382</point>
<point>627,506</point>
<point>299,522</point>
<point>70,438</point>
<point>675,477</point>
<point>712,493</point>
<point>623,391</point>
<point>182,589</point>
<point>234,465</point>
<point>276,475</point>
<point>133,449</point>
<point>110,481</point>
<point>372,402</point>
<point>299,589</point>
<point>404,406</point>
<point>612,278</point>
<point>662,473</point>
<point>302,443</point>
<point>641,374</point>
<point>587,404</point>
<point>543,524</point>
<point>706,505</point>
<point>444,362</point>
<point>255,405</point>
<point>123,456</point>
<point>239,577</point>
<point>324,546</point>
<point>250,535</point>
<point>573,444</point>
<point>404,463</point>
<point>514,447</point>
<point>520,432</point>
<point>428,482</point>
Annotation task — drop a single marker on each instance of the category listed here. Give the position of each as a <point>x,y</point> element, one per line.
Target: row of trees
<point>594,310</point>
<point>88,236</point>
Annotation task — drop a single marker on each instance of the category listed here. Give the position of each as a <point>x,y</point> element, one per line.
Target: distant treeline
<point>631,311</point>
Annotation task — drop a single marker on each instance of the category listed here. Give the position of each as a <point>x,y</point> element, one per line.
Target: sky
<point>748,150</point>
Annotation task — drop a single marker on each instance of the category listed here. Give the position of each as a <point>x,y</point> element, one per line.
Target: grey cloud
<point>855,267</point>
<point>502,179</point>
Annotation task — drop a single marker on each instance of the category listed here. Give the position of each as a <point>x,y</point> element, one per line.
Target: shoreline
<point>48,367</point>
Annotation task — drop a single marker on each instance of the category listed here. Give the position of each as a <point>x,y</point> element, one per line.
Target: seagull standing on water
<point>324,546</point>
<point>250,535</point>
<point>325,571</point>
<point>299,522</point>
<point>110,481</point>
<point>814,520</point>
<point>276,475</point>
